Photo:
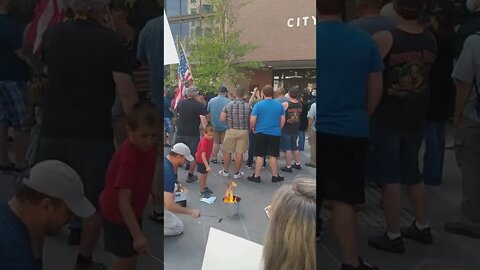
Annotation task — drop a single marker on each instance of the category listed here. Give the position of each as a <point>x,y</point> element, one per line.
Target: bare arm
<point>384,41</point>
<point>375,91</point>
<point>463,92</point>
<point>310,123</point>
<point>128,215</point>
<point>223,117</point>
<point>125,91</point>
<point>285,105</point>
<point>172,206</point>
<point>203,121</point>
<point>282,121</point>
<point>253,122</point>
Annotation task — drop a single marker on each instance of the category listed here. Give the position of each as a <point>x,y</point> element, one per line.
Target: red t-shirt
<point>129,168</point>
<point>204,146</point>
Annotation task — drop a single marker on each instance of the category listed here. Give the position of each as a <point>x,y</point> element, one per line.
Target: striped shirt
<point>238,114</point>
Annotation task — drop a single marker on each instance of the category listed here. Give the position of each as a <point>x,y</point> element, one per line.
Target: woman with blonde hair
<point>290,242</point>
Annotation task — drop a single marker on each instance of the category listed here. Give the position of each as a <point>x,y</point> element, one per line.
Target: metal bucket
<point>232,209</point>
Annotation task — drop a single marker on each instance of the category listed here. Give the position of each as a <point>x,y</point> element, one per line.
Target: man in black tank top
<point>398,125</point>
<point>288,143</point>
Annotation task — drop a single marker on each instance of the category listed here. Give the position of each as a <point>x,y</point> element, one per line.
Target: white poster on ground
<point>170,55</point>
<point>227,251</point>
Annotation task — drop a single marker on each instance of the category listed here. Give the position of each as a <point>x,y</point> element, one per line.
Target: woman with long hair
<point>290,242</point>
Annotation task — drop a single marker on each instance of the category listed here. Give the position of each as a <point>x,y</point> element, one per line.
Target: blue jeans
<point>435,152</point>
<point>301,140</point>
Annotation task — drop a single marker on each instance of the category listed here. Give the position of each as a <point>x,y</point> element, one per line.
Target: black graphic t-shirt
<point>406,81</point>
<point>292,118</point>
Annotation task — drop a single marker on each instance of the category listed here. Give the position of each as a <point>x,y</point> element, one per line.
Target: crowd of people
<point>80,89</point>
<point>409,73</point>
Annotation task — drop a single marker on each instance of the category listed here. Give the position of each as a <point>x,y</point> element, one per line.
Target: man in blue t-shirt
<point>215,107</point>
<point>349,83</point>
<point>176,158</point>
<point>149,51</point>
<point>48,200</point>
<point>266,122</point>
<point>167,119</point>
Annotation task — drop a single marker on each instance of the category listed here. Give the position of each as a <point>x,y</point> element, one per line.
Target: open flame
<point>229,198</point>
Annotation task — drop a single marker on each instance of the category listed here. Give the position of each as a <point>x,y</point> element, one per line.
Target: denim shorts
<point>393,157</point>
<point>289,142</point>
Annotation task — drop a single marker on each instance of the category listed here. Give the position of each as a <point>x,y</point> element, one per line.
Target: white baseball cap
<point>182,149</point>
<point>56,179</point>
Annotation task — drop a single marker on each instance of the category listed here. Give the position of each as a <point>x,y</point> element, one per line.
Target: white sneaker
<point>223,173</point>
<point>238,175</point>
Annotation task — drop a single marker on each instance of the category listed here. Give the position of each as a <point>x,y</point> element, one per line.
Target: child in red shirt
<point>204,152</point>
<point>128,185</point>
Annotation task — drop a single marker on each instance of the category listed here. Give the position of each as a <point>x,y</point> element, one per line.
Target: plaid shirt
<point>238,114</point>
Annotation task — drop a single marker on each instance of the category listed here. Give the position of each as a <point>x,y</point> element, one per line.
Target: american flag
<point>47,13</point>
<point>184,77</point>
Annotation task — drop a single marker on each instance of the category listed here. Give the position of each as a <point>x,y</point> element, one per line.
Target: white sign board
<point>170,55</point>
<point>227,251</point>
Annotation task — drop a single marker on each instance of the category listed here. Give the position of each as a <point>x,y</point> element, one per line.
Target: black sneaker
<point>253,178</point>
<point>248,166</point>
<point>192,178</point>
<point>383,242</point>
<point>214,161</point>
<point>74,237</point>
<point>460,228</point>
<point>363,266</point>
<point>278,178</point>
<point>297,166</point>
<point>413,233</point>
<point>286,169</point>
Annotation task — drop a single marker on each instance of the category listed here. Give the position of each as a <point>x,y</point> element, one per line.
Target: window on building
<point>207,8</point>
<point>193,1</point>
<point>193,11</point>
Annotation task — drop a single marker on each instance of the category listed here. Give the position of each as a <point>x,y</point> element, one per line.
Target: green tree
<point>217,56</point>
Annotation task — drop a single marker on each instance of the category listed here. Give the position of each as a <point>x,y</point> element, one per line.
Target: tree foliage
<point>217,57</point>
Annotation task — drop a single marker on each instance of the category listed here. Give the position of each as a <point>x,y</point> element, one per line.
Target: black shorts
<point>190,141</point>
<point>118,239</point>
<point>201,168</point>
<point>266,145</point>
<point>341,164</point>
<point>88,157</point>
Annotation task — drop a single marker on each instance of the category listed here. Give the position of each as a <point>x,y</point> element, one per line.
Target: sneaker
<point>92,266</point>
<point>214,161</point>
<point>74,237</point>
<point>209,191</point>
<point>311,164</point>
<point>286,169</point>
<point>413,233</point>
<point>363,266</point>
<point>383,242</point>
<point>248,166</point>
<point>192,178</point>
<point>297,166</point>
<point>462,229</point>
<point>278,178</point>
<point>205,194</point>
<point>264,165</point>
<point>254,179</point>
<point>223,173</point>
<point>238,175</point>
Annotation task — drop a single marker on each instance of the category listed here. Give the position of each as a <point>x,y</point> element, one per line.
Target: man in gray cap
<point>191,114</point>
<point>176,158</point>
<point>48,200</point>
<point>86,64</point>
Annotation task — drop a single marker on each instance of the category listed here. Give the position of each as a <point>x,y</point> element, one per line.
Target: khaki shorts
<point>218,136</point>
<point>236,141</point>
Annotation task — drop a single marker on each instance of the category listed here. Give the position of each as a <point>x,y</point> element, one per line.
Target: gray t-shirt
<point>312,114</point>
<point>467,70</point>
<point>375,24</point>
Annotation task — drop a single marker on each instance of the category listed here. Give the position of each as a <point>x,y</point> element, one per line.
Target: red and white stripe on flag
<point>47,13</point>
<point>184,76</point>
